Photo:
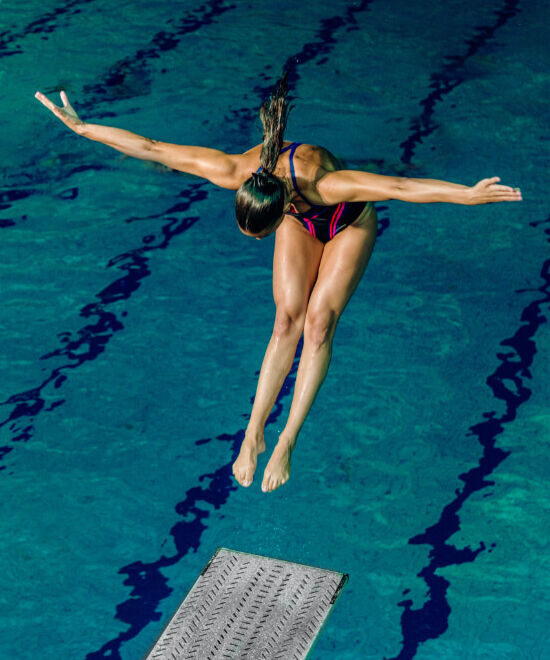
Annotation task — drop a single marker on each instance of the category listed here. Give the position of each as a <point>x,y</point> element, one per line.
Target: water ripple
<point>91,340</point>
<point>43,25</point>
<point>508,384</point>
<point>450,76</point>
<point>130,76</point>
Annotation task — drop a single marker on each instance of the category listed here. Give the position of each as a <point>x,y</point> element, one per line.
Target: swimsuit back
<point>322,222</point>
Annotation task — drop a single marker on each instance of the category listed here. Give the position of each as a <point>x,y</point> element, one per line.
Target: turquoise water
<point>135,316</point>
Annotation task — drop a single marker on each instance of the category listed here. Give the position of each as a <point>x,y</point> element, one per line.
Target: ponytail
<point>260,200</point>
<point>274,114</point>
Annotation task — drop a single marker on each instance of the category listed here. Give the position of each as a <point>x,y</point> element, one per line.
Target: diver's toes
<point>244,475</point>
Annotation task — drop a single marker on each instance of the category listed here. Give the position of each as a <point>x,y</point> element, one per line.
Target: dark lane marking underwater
<point>7,197</point>
<point>43,25</point>
<point>20,190</point>
<point>130,77</point>
<point>148,584</point>
<point>91,340</point>
<point>431,620</point>
<point>127,78</point>
<point>450,76</point>
<point>31,403</point>
<point>163,40</point>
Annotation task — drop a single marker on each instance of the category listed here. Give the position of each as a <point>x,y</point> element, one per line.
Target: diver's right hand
<point>67,113</point>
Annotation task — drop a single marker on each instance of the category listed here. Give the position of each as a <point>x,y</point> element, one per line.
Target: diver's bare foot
<point>277,471</point>
<point>245,465</point>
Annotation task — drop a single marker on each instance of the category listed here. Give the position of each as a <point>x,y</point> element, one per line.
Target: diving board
<point>250,607</point>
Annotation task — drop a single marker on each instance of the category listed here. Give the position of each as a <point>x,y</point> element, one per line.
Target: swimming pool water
<point>135,317</point>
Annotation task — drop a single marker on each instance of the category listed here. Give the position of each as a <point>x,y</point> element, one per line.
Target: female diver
<point>325,228</point>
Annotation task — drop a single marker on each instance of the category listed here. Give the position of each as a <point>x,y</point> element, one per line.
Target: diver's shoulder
<point>317,157</point>
<point>316,152</point>
<point>248,161</point>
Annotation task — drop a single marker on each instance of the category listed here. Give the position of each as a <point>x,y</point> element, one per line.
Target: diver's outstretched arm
<point>216,166</point>
<point>356,186</point>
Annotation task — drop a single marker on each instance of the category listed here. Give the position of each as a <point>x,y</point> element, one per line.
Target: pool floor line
<point>27,405</point>
<point>118,75</point>
<point>41,25</point>
<point>431,619</point>
<point>449,77</point>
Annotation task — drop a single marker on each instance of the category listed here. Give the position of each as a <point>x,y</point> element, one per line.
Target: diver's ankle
<point>287,440</point>
<point>254,436</point>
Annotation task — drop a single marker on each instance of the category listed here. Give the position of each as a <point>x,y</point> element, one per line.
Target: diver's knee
<point>289,322</point>
<point>320,326</point>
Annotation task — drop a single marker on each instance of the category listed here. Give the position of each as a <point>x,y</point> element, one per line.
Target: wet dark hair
<point>260,200</point>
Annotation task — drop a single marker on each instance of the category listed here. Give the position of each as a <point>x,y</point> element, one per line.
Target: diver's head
<point>260,204</point>
<point>261,200</point>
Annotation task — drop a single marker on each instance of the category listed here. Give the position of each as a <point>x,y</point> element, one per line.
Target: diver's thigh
<point>343,263</point>
<point>296,261</point>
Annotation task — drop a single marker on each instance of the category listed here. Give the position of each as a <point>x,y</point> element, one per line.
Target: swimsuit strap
<point>294,146</point>
<point>286,148</point>
<point>281,152</point>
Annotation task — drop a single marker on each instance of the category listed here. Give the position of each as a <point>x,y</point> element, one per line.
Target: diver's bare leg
<point>295,264</point>
<point>344,260</point>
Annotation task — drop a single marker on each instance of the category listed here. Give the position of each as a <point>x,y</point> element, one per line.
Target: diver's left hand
<point>489,190</point>
<point>67,113</point>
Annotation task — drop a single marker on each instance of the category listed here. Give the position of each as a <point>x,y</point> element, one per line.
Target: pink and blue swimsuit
<point>323,222</point>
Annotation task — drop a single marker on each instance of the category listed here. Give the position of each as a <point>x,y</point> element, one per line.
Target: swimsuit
<point>323,222</point>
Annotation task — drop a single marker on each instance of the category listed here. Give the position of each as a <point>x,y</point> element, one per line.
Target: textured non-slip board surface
<point>250,606</point>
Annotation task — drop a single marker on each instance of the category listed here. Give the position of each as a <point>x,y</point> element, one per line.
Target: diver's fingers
<point>46,101</point>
